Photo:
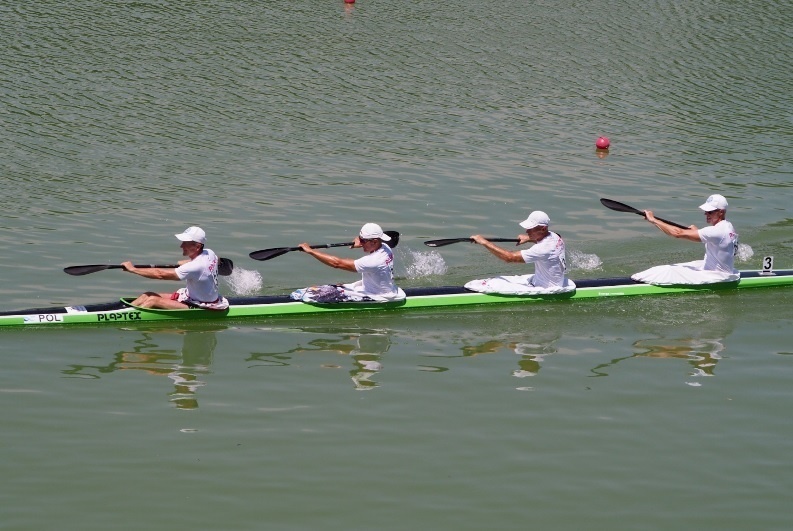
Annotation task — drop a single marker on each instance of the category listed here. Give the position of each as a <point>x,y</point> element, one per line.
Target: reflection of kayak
<point>417,298</point>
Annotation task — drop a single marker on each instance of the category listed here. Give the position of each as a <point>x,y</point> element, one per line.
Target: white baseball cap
<point>714,202</point>
<point>536,218</point>
<point>193,234</point>
<point>373,230</point>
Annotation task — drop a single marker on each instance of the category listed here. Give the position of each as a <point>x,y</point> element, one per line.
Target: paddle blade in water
<point>225,267</point>
<point>394,235</point>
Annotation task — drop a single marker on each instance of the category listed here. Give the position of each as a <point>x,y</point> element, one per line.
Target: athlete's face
<point>714,216</point>
<point>191,249</point>
<point>369,245</point>
<point>537,233</point>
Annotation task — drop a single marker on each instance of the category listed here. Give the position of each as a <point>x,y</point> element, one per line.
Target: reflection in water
<point>185,369</point>
<point>531,353</point>
<point>701,354</point>
<point>197,351</point>
<point>365,348</point>
<point>367,359</point>
<point>680,332</point>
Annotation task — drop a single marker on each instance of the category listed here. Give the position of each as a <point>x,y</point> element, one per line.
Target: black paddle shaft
<point>268,254</point>
<point>449,241</point>
<point>225,267</point>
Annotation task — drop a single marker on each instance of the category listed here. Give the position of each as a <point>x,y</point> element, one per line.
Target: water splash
<point>583,261</point>
<point>745,252</point>
<point>423,264</point>
<point>244,281</point>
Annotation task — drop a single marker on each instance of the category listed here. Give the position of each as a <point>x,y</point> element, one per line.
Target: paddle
<point>267,254</point>
<point>224,268</point>
<point>622,207</point>
<point>449,241</point>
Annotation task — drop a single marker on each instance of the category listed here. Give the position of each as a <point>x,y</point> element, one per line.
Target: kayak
<point>122,311</point>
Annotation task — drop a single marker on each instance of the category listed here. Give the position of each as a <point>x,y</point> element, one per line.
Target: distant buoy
<point>602,142</point>
<point>349,1</point>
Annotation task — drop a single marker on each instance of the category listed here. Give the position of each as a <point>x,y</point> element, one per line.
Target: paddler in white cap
<point>547,254</point>
<point>199,271</point>
<point>721,246</point>
<point>376,266</point>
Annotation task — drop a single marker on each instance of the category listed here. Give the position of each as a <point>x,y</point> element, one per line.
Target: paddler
<point>199,271</point>
<point>721,246</point>
<point>376,268</point>
<point>547,254</point>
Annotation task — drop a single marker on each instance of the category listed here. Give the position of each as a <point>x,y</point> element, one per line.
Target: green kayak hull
<point>417,298</point>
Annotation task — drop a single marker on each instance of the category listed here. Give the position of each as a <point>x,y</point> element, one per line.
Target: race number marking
<point>768,266</point>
